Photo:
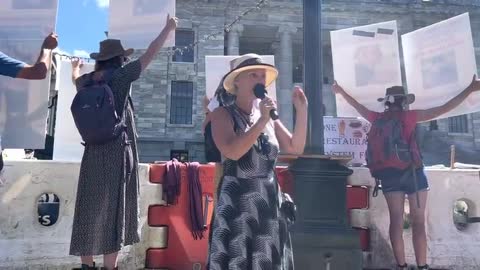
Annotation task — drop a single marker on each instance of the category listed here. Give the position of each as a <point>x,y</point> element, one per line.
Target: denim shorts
<point>394,180</point>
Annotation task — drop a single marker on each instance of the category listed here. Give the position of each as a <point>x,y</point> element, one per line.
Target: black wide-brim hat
<point>110,48</point>
<point>397,91</point>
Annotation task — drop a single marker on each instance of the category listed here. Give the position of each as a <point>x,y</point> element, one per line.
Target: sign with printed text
<point>346,137</point>
<point>440,64</point>
<point>366,61</point>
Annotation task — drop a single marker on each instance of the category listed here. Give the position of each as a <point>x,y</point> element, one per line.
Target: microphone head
<point>259,91</point>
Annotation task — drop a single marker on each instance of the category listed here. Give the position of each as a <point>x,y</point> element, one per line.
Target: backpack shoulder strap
<point>124,110</point>
<point>131,102</point>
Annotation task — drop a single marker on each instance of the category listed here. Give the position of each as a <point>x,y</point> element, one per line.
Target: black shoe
<point>86,267</point>
<point>402,267</point>
<point>423,267</point>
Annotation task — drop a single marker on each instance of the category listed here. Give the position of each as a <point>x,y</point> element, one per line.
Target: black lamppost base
<point>322,232</point>
<point>338,250</point>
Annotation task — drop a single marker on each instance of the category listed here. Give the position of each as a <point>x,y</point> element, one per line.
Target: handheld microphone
<point>260,92</point>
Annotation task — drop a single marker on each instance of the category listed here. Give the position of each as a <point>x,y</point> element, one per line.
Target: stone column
<point>284,63</point>
<point>234,39</point>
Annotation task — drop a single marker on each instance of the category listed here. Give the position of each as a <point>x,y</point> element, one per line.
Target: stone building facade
<point>168,97</point>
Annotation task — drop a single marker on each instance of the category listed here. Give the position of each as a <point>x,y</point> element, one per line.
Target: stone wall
<point>276,29</point>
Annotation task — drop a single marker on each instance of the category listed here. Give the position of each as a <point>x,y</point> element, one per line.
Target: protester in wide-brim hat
<point>411,181</point>
<point>106,209</point>
<point>248,203</point>
<point>397,92</point>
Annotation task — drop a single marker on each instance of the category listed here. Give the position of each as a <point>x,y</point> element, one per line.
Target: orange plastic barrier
<point>182,250</point>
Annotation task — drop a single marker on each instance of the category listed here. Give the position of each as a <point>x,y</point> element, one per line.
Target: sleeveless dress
<point>248,230</point>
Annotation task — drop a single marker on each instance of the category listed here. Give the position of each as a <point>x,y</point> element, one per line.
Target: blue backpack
<point>93,110</point>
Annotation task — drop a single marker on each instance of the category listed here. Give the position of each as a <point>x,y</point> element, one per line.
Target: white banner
<point>24,104</point>
<point>67,144</point>
<point>365,62</point>
<point>440,63</point>
<point>138,22</point>
<point>346,137</point>
<point>216,66</point>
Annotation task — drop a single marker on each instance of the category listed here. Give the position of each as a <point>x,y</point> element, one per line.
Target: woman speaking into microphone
<point>249,228</point>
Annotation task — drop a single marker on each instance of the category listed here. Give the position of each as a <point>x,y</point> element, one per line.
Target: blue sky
<point>81,24</point>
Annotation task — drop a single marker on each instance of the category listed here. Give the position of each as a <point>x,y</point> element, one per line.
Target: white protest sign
<point>216,66</point>
<point>346,136</point>
<point>440,63</point>
<point>67,144</point>
<point>365,62</point>
<point>24,103</point>
<point>138,22</point>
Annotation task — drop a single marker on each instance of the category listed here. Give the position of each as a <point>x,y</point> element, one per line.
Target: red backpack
<point>387,146</point>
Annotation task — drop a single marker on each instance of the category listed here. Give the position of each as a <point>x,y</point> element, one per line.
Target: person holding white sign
<point>14,68</point>
<point>251,212</point>
<point>394,160</point>
<point>106,209</point>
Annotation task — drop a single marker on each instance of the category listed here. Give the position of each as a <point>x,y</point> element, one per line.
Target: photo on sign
<point>439,70</point>
<point>33,4</point>
<point>373,65</point>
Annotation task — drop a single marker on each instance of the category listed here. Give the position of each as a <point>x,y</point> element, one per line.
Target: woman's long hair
<point>112,63</point>
<point>224,98</point>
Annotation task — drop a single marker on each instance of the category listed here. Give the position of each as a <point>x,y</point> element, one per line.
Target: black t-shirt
<point>212,153</point>
<point>1,161</point>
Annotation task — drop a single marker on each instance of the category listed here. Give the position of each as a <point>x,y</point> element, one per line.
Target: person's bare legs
<point>110,261</point>
<point>395,202</point>
<point>87,260</point>
<point>419,235</point>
